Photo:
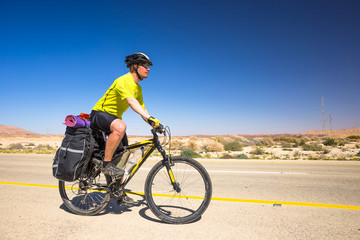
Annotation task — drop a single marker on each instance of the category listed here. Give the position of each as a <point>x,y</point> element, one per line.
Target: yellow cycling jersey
<point>114,100</point>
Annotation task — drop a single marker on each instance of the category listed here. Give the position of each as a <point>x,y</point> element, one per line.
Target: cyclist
<point>107,113</point>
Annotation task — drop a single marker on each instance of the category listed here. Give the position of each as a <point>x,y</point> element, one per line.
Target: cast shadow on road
<point>114,208</point>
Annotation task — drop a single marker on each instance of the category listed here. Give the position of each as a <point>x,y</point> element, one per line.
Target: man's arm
<point>135,105</point>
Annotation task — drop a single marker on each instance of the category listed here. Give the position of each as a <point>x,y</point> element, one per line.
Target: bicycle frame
<point>142,160</point>
<point>154,144</point>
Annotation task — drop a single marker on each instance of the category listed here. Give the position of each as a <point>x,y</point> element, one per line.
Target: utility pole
<point>323,127</point>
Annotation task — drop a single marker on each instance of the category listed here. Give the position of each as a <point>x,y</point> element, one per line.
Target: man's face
<point>143,70</point>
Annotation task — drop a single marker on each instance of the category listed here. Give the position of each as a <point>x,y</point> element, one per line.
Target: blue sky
<point>220,67</point>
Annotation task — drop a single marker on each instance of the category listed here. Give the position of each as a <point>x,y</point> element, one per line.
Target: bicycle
<point>177,189</point>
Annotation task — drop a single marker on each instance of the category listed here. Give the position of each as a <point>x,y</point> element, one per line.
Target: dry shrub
<point>177,145</point>
<point>286,145</point>
<point>286,139</point>
<point>268,142</point>
<point>312,147</point>
<point>233,146</point>
<point>213,147</point>
<point>44,147</point>
<point>193,145</point>
<point>258,151</point>
<point>242,140</point>
<point>16,146</point>
<point>221,140</point>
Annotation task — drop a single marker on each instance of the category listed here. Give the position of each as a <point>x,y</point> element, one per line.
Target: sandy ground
<point>53,141</point>
<point>206,145</point>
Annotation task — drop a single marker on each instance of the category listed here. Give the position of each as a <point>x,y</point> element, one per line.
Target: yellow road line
<point>29,184</point>
<point>289,203</point>
<point>217,198</point>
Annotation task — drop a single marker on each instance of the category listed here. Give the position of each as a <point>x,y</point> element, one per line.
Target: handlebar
<point>160,129</point>
<point>167,138</point>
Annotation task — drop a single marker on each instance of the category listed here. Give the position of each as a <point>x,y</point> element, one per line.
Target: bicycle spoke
<point>85,201</point>
<point>182,206</point>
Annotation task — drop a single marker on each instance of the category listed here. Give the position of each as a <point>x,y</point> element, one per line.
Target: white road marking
<point>256,172</point>
<point>240,172</point>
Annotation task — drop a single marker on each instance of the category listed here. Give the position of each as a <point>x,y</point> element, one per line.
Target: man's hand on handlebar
<point>153,122</point>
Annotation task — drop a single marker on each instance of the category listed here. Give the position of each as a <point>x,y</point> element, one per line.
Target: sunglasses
<point>145,65</point>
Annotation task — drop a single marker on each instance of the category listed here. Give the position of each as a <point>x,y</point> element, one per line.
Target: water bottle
<point>133,160</point>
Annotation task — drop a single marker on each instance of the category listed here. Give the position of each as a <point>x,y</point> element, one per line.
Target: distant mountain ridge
<point>341,132</point>
<point>12,131</point>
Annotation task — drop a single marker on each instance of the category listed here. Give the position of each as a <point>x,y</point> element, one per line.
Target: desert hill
<point>340,133</point>
<point>12,131</point>
<point>271,146</point>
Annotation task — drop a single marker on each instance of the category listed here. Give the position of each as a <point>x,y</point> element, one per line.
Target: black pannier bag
<point>73,156</point>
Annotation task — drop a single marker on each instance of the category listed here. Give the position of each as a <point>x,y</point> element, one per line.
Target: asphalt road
<point>251,200</point>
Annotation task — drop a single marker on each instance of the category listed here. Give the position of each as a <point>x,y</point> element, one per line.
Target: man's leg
<point>117,129</point>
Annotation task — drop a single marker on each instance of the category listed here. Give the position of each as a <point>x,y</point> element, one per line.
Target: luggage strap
<point>90,153</point>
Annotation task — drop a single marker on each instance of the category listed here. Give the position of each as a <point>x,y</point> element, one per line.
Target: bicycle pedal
<point>117,196</point>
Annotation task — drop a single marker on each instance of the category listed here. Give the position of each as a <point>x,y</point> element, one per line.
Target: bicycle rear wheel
<point>190,202</point>
<point>85,197</point>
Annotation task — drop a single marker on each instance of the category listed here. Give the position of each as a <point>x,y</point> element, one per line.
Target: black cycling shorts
<point>102,121</point>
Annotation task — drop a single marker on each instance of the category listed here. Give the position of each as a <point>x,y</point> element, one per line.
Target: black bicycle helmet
<point>137,58</point>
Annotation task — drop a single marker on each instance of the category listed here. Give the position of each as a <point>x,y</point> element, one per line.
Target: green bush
<point>286,145</point>
<point>242,156</point>
<point>330,142</point>
<point>353,137</point>
<point>190,153</point>
<point>285,139</point>
<point>227,156</point>
<point>287,149</point>
<point>233,146</point>
<point>312,147</point>
<point>302,142</point>
<point>257,151</point>
<point>326,151</point>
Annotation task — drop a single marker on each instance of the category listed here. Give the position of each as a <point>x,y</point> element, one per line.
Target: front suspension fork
<point>168,164</point>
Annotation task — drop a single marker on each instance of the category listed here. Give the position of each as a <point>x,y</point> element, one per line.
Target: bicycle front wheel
<point>85,197</point>
<point>185,205</point>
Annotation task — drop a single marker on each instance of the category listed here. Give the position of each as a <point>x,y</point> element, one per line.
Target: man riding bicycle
<point>107,113</point>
